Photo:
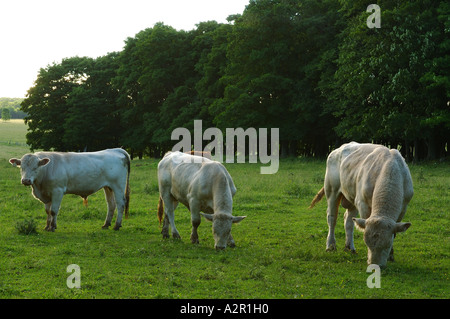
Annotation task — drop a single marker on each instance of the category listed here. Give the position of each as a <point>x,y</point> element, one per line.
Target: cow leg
<point>165,229</point>
<point>111,202</point>
<point>169,206</point>
<point>195,219</point>
<point>332,212</point>
<point>119,195</point>
<point>231,242</point>
<point>57,196</point>
<point>391,253</point>
<point>350,212</point>
<point>402,213</point>
<point>49,215</point>
<point>349,227</point>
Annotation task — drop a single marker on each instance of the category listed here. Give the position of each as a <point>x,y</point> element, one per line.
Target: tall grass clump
<point>26,226</point>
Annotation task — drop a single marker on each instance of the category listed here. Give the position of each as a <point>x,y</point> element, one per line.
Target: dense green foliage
<point>313,69</point>
<point>10,108</point>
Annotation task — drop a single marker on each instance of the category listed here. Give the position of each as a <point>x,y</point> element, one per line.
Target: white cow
<point>374,181</point>
<point>201,185</point>
<point>53,174</point>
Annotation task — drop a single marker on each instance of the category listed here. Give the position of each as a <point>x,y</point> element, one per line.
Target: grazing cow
<point>53,174</point>
<point>200,185</point>
<point>374,181</point>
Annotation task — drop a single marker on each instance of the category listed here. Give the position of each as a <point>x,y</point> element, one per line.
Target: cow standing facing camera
<point>51,175</point>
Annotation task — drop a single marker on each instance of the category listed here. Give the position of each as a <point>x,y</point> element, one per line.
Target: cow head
<point>30,165</point>
<point>222,228</point>
<point>379,236</point>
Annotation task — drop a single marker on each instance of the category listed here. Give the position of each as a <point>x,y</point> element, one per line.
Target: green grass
<point>279,253</point>
<point>12,139</point>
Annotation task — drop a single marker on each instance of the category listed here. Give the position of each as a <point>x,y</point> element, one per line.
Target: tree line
<point>313,69</point>
<point>10,108</point>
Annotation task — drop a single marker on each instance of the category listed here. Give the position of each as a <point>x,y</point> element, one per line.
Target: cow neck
<point>387,199</point>
<point>223,201</point>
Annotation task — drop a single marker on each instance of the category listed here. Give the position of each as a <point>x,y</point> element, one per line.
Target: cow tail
<point>160,210</point>
<point>317,198</point>
<point>85,201</point>
<point>127,190</point>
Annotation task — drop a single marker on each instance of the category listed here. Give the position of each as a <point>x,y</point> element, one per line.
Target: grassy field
<point>279,253</point>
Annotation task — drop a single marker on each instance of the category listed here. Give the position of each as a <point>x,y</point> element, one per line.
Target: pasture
<point>280,246</point>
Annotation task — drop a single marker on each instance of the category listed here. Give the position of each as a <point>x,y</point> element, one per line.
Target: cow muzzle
<point>26,181</point>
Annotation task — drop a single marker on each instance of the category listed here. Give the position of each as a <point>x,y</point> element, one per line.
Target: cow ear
<point>208,216</point>
<point>43,161</point>
<point>401,227</point>
<point>360,223</point>
<point>15,162</point>
<point>237,219</point>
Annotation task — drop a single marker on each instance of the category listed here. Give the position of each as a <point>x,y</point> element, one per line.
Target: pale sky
<point>35,33</point>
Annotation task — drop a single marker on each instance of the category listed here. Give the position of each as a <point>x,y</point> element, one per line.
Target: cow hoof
<point>49,228</point>
<point>117,227</point>
<point>165,232</point>
<point>332,247</point>
<point>194,239</point>
<point>176,236</point>
<point>352,250</point>
<point>105,226</point>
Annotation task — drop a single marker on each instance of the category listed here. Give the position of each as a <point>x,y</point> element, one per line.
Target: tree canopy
<point>313,69</point>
